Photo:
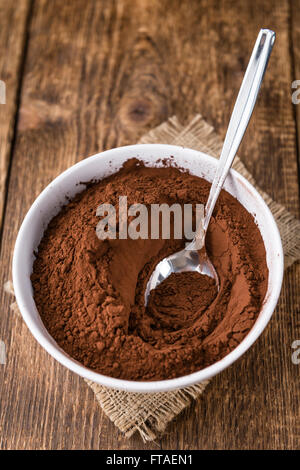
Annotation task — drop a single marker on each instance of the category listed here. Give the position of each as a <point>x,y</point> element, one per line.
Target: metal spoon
<point>194,256</point>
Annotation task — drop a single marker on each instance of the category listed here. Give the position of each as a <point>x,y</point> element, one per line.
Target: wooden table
<point>84,76</point>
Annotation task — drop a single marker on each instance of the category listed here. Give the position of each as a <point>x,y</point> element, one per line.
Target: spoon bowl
<point>182,261</point>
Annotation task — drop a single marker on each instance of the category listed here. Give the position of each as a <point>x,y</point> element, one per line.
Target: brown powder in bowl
<point>90,292</point>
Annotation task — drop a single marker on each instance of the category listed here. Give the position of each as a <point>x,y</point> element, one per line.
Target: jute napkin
<point>149,414</point>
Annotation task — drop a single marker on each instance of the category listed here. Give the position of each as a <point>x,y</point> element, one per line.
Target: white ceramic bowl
<point>98,166</point>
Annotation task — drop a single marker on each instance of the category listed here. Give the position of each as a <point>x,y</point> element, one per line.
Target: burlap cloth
<point>149,414</point>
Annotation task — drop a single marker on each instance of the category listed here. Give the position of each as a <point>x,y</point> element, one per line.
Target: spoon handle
<point>241,114</point>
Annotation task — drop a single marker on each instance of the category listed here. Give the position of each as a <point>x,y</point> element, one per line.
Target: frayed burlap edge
<point>149,414</point>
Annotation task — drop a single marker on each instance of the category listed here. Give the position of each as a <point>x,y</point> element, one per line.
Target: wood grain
<point>99,74</point>
<point>12,44</point>
<point>295,64</point>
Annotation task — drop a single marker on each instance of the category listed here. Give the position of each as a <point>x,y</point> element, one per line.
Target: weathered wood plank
<point>295,41</point>
<point>12,43</point>
<point>99,75</point>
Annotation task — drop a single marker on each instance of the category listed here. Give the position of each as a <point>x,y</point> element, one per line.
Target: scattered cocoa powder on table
<point>90,292</point>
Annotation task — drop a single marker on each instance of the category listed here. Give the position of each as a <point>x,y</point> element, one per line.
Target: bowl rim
<point>143,386</point>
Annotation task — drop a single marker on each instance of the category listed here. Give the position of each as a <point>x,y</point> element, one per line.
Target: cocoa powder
<point>90,292</point>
